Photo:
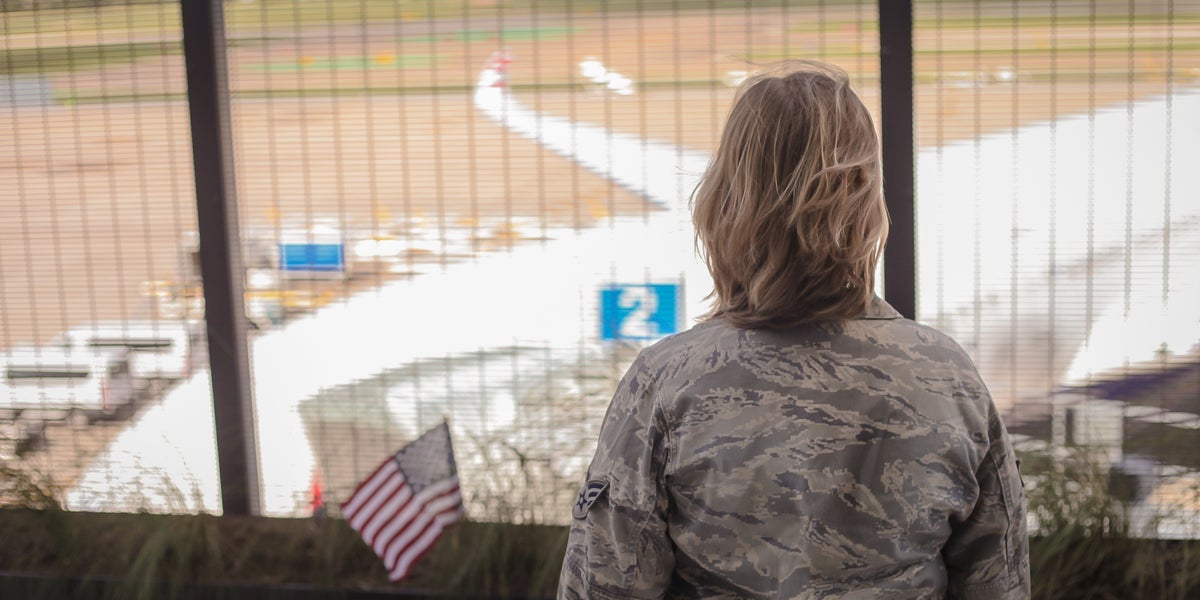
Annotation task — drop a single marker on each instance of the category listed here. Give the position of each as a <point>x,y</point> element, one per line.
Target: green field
<point>272,14</point>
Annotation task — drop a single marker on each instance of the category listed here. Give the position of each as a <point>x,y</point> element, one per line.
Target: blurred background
<point>477,211</point>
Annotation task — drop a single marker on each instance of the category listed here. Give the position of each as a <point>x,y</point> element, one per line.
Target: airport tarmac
<point>96,197</point>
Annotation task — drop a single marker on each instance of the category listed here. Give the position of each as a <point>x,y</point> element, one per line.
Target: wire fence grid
<point>478,211</point>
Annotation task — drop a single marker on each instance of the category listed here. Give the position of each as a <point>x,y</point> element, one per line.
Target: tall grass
<point>1084,544</point>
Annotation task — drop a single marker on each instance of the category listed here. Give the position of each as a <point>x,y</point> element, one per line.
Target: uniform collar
<point>880,310</point>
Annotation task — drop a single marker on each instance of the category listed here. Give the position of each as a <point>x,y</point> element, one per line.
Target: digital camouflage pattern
<point>854,460</point>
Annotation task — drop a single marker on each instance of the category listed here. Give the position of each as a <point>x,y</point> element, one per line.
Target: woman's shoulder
<point>711,340</point>
<point>880,337</point>
<point>884,331</point>
<point>921,342</point>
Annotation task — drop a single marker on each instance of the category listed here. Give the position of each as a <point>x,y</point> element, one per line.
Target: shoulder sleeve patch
<point>591,492</point>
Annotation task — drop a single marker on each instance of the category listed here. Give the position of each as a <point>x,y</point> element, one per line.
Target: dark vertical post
<point>220,253</point>
<point>896,125</point>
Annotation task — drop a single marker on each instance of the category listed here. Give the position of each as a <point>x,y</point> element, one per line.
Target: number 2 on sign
<point>642,304</point>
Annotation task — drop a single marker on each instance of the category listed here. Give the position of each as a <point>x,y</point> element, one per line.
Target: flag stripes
<point>407,549</point>
<point>367,489</point>
<point>402,508</point>
<point>388,512</point>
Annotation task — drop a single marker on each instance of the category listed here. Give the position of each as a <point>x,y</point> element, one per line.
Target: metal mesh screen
<point>1057,236</point>
<point>498,175</point>
<point>439,201</point>
<point>99,316</point>
<point>478,211</point>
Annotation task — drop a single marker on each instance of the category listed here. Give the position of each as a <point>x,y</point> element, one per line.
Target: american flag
<point>402,508</point>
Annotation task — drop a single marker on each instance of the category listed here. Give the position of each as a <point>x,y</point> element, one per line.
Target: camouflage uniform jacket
<point>855,460</point>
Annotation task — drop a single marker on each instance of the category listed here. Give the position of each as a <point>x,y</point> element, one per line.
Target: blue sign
<point>639,311</point>
<point>312,257</point>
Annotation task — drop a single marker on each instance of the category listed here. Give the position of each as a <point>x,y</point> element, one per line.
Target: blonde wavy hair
<point>790,215</point>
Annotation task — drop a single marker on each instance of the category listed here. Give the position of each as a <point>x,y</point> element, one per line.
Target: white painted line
<point>1137,411</point>
<point>1168,418</point>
